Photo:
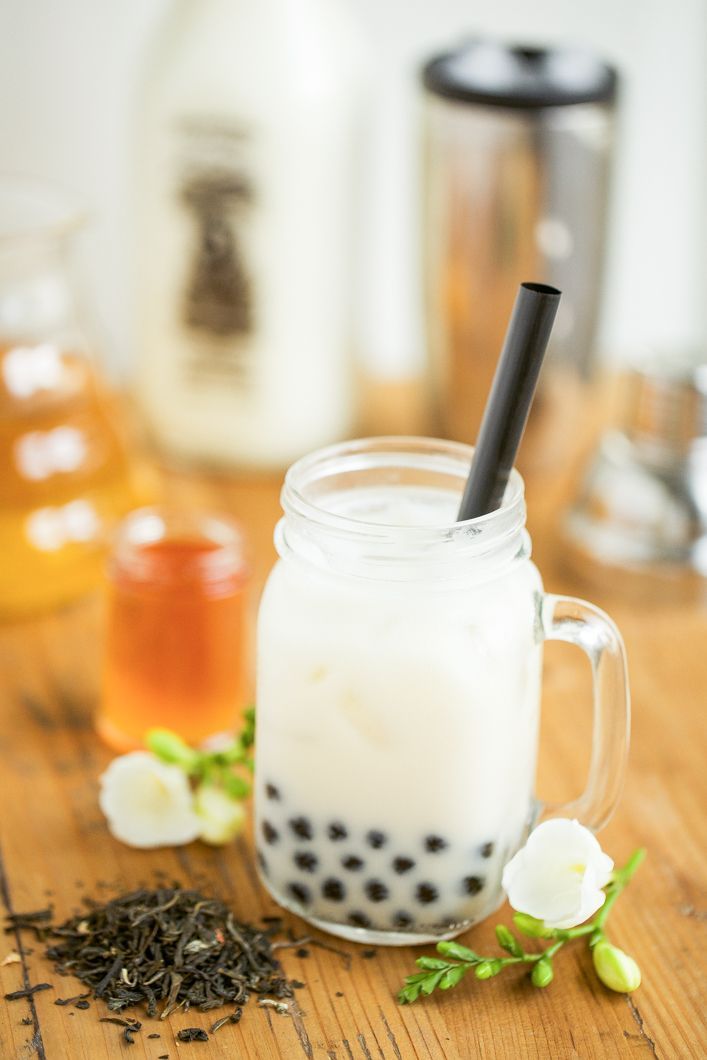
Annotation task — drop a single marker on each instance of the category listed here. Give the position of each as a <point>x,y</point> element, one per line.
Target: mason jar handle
<point>578,622</point>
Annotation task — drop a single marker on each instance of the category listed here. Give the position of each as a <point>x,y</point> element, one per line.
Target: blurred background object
<point>642,504</point>
<point>517,153</point>
<point>71,98</point>
<point>246,218</point>
<point>64,470</point>
<point>73,113</point>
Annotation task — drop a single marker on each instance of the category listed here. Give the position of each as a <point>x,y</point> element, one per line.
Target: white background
<point>68,76</point>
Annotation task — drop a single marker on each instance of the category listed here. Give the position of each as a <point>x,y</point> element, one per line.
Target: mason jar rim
<point>311,529</point>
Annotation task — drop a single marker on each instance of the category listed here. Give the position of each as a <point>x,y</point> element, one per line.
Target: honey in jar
<point>175,640</point>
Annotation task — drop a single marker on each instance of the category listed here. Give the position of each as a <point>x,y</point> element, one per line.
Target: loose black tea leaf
<point>192,1034</point>
<point>26,1021</point>
<point>233,1018</point>
<point>72,1000</point>
<point>167,949</point>
<point>38,922</point>
<point>18,995</point>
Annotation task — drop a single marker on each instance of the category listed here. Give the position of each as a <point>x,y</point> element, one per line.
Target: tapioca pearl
<point>306,861</point>
<point>402,920</point>
<point>272,792</point>
<point>302,827</point>
<point>359,919</point>
<point>300,892</point>
<point>353,863</point>
<point>270,833</point>
<point>426,893</point>
<point>486,850</point>
<point>337,831</point>
<point>435,843</point>
<point>473,884</point>
<point>376,839</point>
<point>403,865</point>
<point>333,889</point>
<point>376,890</point>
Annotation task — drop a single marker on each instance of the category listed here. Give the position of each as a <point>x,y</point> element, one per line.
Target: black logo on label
<point>218,297</point>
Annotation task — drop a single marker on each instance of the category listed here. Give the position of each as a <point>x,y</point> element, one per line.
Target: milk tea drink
<point>399,663</point>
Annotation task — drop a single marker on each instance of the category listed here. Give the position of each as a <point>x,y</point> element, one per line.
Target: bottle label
<point>216,189</point>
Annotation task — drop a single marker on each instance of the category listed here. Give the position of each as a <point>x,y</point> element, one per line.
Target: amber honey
<point>175,640</point>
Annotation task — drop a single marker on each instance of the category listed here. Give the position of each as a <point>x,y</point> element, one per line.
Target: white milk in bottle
<point>244,242</point>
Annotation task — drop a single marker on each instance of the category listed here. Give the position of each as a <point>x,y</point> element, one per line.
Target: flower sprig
<point>217,767</point>
<point>614,968</point>
<point>171,793</point>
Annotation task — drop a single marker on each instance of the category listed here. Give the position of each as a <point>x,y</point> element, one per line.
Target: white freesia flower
<point>220,817</point>
<point>148,803</point>
<point>559,874</point>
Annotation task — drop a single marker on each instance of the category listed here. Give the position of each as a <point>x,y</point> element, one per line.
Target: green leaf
<point>532,927</point>
<point>542,973</point>
<point>453,975</point>
<point>433,964</point>
<point>487,969</point>
<point>236,786</point>
<point>507,941</point>
<point>171,748</point>
<point>458,952</point>
<point>431,982</point>
<point>248,734</point>
<point>409,993</point>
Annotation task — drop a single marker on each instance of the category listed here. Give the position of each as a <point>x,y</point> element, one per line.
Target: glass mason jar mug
<point>399,672</point>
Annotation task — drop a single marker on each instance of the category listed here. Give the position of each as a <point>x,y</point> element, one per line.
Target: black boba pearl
<point>376,890</point>
<point>402,920</point>
<point>302,827</point>
<point>300,892</point>
<point>306,861</point>
<point>487,850</point>
<point>426,893</point>
<point>359,919</point>
<point>336,831</point>
<point>270,833</point>
<point>272,792</point>
<point>352,863</point>
<point>435,843</point>
<point>261,861</point>
<point>334,889</point>
<point>402,865</point>
<point>375,839</point>
<point>473,884</point>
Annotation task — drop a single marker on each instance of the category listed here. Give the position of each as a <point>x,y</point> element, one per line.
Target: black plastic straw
<point>510,399</point>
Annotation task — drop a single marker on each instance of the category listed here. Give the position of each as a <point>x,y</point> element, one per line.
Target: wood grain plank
<point>54,840</point>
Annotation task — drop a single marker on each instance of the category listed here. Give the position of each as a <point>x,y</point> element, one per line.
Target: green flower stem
<point>445,974</point>
<point>620,881</point>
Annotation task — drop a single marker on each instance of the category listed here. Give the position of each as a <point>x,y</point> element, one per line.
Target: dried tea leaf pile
<point>167,949</point>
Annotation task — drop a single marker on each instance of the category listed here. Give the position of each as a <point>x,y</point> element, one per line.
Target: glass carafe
<point>64,471</point>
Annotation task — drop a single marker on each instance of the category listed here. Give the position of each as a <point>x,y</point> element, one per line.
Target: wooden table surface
<point>55,847</point>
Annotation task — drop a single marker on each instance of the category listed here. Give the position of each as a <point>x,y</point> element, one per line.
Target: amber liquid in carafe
<point>64,478</point>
